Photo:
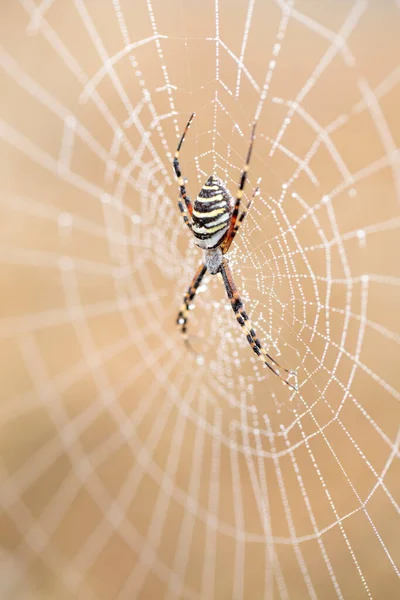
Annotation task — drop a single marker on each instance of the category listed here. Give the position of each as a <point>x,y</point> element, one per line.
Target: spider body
<point>214,220</point>
<point>213,260</point>
<point>211,215</point>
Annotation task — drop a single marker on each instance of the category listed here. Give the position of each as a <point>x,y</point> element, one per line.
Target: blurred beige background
<point>130,468</point>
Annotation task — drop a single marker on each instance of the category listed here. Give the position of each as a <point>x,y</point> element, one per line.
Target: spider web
<point>130,468</point>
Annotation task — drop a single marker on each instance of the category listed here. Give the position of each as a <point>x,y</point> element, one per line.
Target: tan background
<point>129,469</point>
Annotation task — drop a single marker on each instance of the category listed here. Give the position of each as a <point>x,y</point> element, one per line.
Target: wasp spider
<point>214,220</point>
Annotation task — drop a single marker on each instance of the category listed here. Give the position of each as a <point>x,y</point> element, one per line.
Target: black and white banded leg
<point>190,294</point>
<point>239,195</point>
<point>245,323</point>
<point>188,208</point>
<point>243,214</point>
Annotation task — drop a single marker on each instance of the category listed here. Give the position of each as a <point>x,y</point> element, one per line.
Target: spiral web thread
<point>130,468</point>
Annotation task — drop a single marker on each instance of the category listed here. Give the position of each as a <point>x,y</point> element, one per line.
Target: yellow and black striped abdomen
<point>211,214</point>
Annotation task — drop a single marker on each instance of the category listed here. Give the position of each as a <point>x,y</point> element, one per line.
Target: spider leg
<point>230,235</point>
<point>183,194</point>
<point>243,215</point>
<point>190,294</point>
<point>244,321</point>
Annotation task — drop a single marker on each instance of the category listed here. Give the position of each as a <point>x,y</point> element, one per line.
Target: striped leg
<point>190,294</point>
<point>230,235</point>
<point>244,321</point>
<point>183,195</point>
<point>242,216</point>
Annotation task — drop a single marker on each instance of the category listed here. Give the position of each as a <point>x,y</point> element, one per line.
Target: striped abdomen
<point>211,214</point>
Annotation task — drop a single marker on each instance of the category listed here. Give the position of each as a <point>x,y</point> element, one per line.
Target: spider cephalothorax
<point>214,220</point>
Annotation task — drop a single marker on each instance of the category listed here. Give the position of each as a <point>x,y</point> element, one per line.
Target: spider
<point>214,221</point>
